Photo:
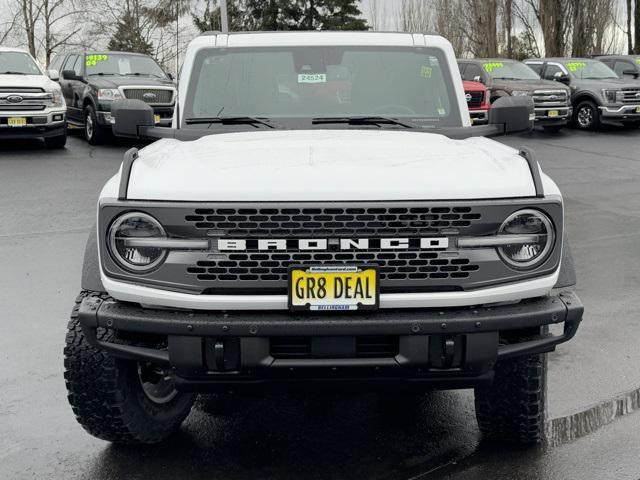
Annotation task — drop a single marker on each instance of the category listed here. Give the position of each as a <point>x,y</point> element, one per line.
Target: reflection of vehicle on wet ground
<point>91,81</point>
<point>506,77</point>
<point>477,96</point>
<point>377,241</point>
<point>31,103</point>
<point>597,94</point>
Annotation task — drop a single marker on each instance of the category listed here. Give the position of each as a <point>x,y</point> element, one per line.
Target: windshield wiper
<point>143,73</point>
<point>369,120</point>
<point>10,72</point>
<point>105,73</point>
<point>230,121</point>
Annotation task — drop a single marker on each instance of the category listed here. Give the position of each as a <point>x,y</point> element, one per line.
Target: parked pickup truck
<point>598,94</point>
<point>31,103</point>
<point>290,237</point>
<point>477,96</point>
<point>92,80</point>
<point>511,78</point>
<point>625,66</point>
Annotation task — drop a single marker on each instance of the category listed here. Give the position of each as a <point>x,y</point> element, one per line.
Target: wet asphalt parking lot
<point>47,204</point>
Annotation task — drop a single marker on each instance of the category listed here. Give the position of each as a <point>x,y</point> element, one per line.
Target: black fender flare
<point>91,264</point>
<point>567,276</point>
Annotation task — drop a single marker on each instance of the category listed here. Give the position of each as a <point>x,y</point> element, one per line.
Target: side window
<point>536,67</point>
<point>472,72</point>
<point>461,67</point>
<point>78,65</point>
<point>551,71</point>
<point>56,63</point>
<point>71,60</point>
<point>620,67</point>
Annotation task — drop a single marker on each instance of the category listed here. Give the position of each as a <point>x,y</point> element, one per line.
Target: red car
<point>477,96</point>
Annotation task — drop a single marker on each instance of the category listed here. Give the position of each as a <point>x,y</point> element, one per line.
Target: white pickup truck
<point>31,102</point>
<point>321,214</point>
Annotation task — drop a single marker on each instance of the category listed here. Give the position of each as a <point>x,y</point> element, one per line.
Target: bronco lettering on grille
<point>342,244</point>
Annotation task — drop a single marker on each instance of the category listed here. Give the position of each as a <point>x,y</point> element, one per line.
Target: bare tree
<point>507,22</point>
<point>629,32</point>
<point>447,23</point>
<point>7,28</point>
<point>481,26</point>
<point>637,26</point>
<point>30,14</point>
<point>414,16</point>
<point>58,29</point>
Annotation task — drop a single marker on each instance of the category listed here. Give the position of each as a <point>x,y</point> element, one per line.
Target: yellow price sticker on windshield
<point>92,60</point>
<point>490,67</point>
<point>575,66</point>
<point>426,72</point>
<point>638,61</point>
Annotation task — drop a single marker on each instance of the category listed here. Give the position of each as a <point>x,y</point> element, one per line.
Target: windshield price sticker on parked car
<point>327,288</point>
<point>92,60</point>
<point>312,78</point>
<point>490,67</point>
<point>575,66</point>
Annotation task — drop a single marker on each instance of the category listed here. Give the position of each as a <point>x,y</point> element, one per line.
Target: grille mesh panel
<point>476,99</point>
<point>272,266</point>
<point>323,222</point>
<point>162,96</point>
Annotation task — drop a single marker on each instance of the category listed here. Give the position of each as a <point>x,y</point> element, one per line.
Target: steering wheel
<point>393,109</point>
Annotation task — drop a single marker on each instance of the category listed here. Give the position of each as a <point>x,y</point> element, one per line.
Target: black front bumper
<point>449,348</point>
<point>44,131</point>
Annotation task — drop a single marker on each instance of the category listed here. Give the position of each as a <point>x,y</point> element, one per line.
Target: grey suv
<point>506,78</point>
<point>598,94</point>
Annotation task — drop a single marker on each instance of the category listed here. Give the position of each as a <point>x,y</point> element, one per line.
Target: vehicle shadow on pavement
<point>305,436</point>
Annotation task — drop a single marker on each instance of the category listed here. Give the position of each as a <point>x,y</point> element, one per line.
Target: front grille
<point>475,99</point>
<point>332,222</point>
<point>393,265</point>
<point>20,108</point>
<point>363,347</point>
<point>550,98</point>
<point>19,90</point>
<point>631,95</point>
<point>154,96</point>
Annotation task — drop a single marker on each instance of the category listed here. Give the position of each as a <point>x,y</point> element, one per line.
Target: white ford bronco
<point>321,214</point>
<point>31,102</point>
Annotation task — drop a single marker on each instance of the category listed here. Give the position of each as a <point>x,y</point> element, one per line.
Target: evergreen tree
<point>342,15</point>
<point>127,37</point>
<point>210,18</point>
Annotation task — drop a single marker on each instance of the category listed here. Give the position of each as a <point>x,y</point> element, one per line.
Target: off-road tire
<point>106,394</point>
<point>93,133</point>
<point>512,409</point>
<point>589,121</point>
<point>56,142</point>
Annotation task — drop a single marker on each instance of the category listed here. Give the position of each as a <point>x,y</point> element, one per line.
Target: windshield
<point>323,82</point>
<point>509,71</point>
<point>589,69</point>
<point>18,63</point>
<point>122,64</point>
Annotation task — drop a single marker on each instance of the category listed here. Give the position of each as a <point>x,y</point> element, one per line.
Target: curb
<point>571,427</point>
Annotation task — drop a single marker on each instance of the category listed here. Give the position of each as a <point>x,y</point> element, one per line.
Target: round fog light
<point>131,226</point>
<point>527,254</point>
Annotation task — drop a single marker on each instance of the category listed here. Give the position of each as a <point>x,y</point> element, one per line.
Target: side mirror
<point>69,75</point>
<point>631,73</point>
<point>478,79</point>
<point>170,75</point>
<point>53,75</point>
<point>513,114</point>
<point>128,116</point>
<point>561,77</point>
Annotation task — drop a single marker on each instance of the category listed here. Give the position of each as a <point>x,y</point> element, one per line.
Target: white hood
<point>328,165</point>
<point>27,81</point>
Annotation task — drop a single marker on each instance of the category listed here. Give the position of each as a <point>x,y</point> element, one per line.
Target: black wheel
<point>513,408</point>
<point>121,401</point>
<point>56,142</point>
<point>586,116</point>
<point>553,128</point>
<point>93,133</point>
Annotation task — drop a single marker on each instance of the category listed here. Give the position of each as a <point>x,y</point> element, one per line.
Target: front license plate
<point>326,288</point>
<point>156,118</point>
<point>16,121</point>
<point>553,113</point>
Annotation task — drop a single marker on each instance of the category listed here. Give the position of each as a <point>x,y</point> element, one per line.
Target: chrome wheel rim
<point>89,126</point>
<point>158,384</point>
<point>585,116</point>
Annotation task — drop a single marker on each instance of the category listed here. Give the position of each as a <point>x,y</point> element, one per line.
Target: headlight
<point>58,100</point>
<point>108,94</point>
<point>613,96</point>
<point>122,245</point>
<point>536,237</point>
<point>521,93</point>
